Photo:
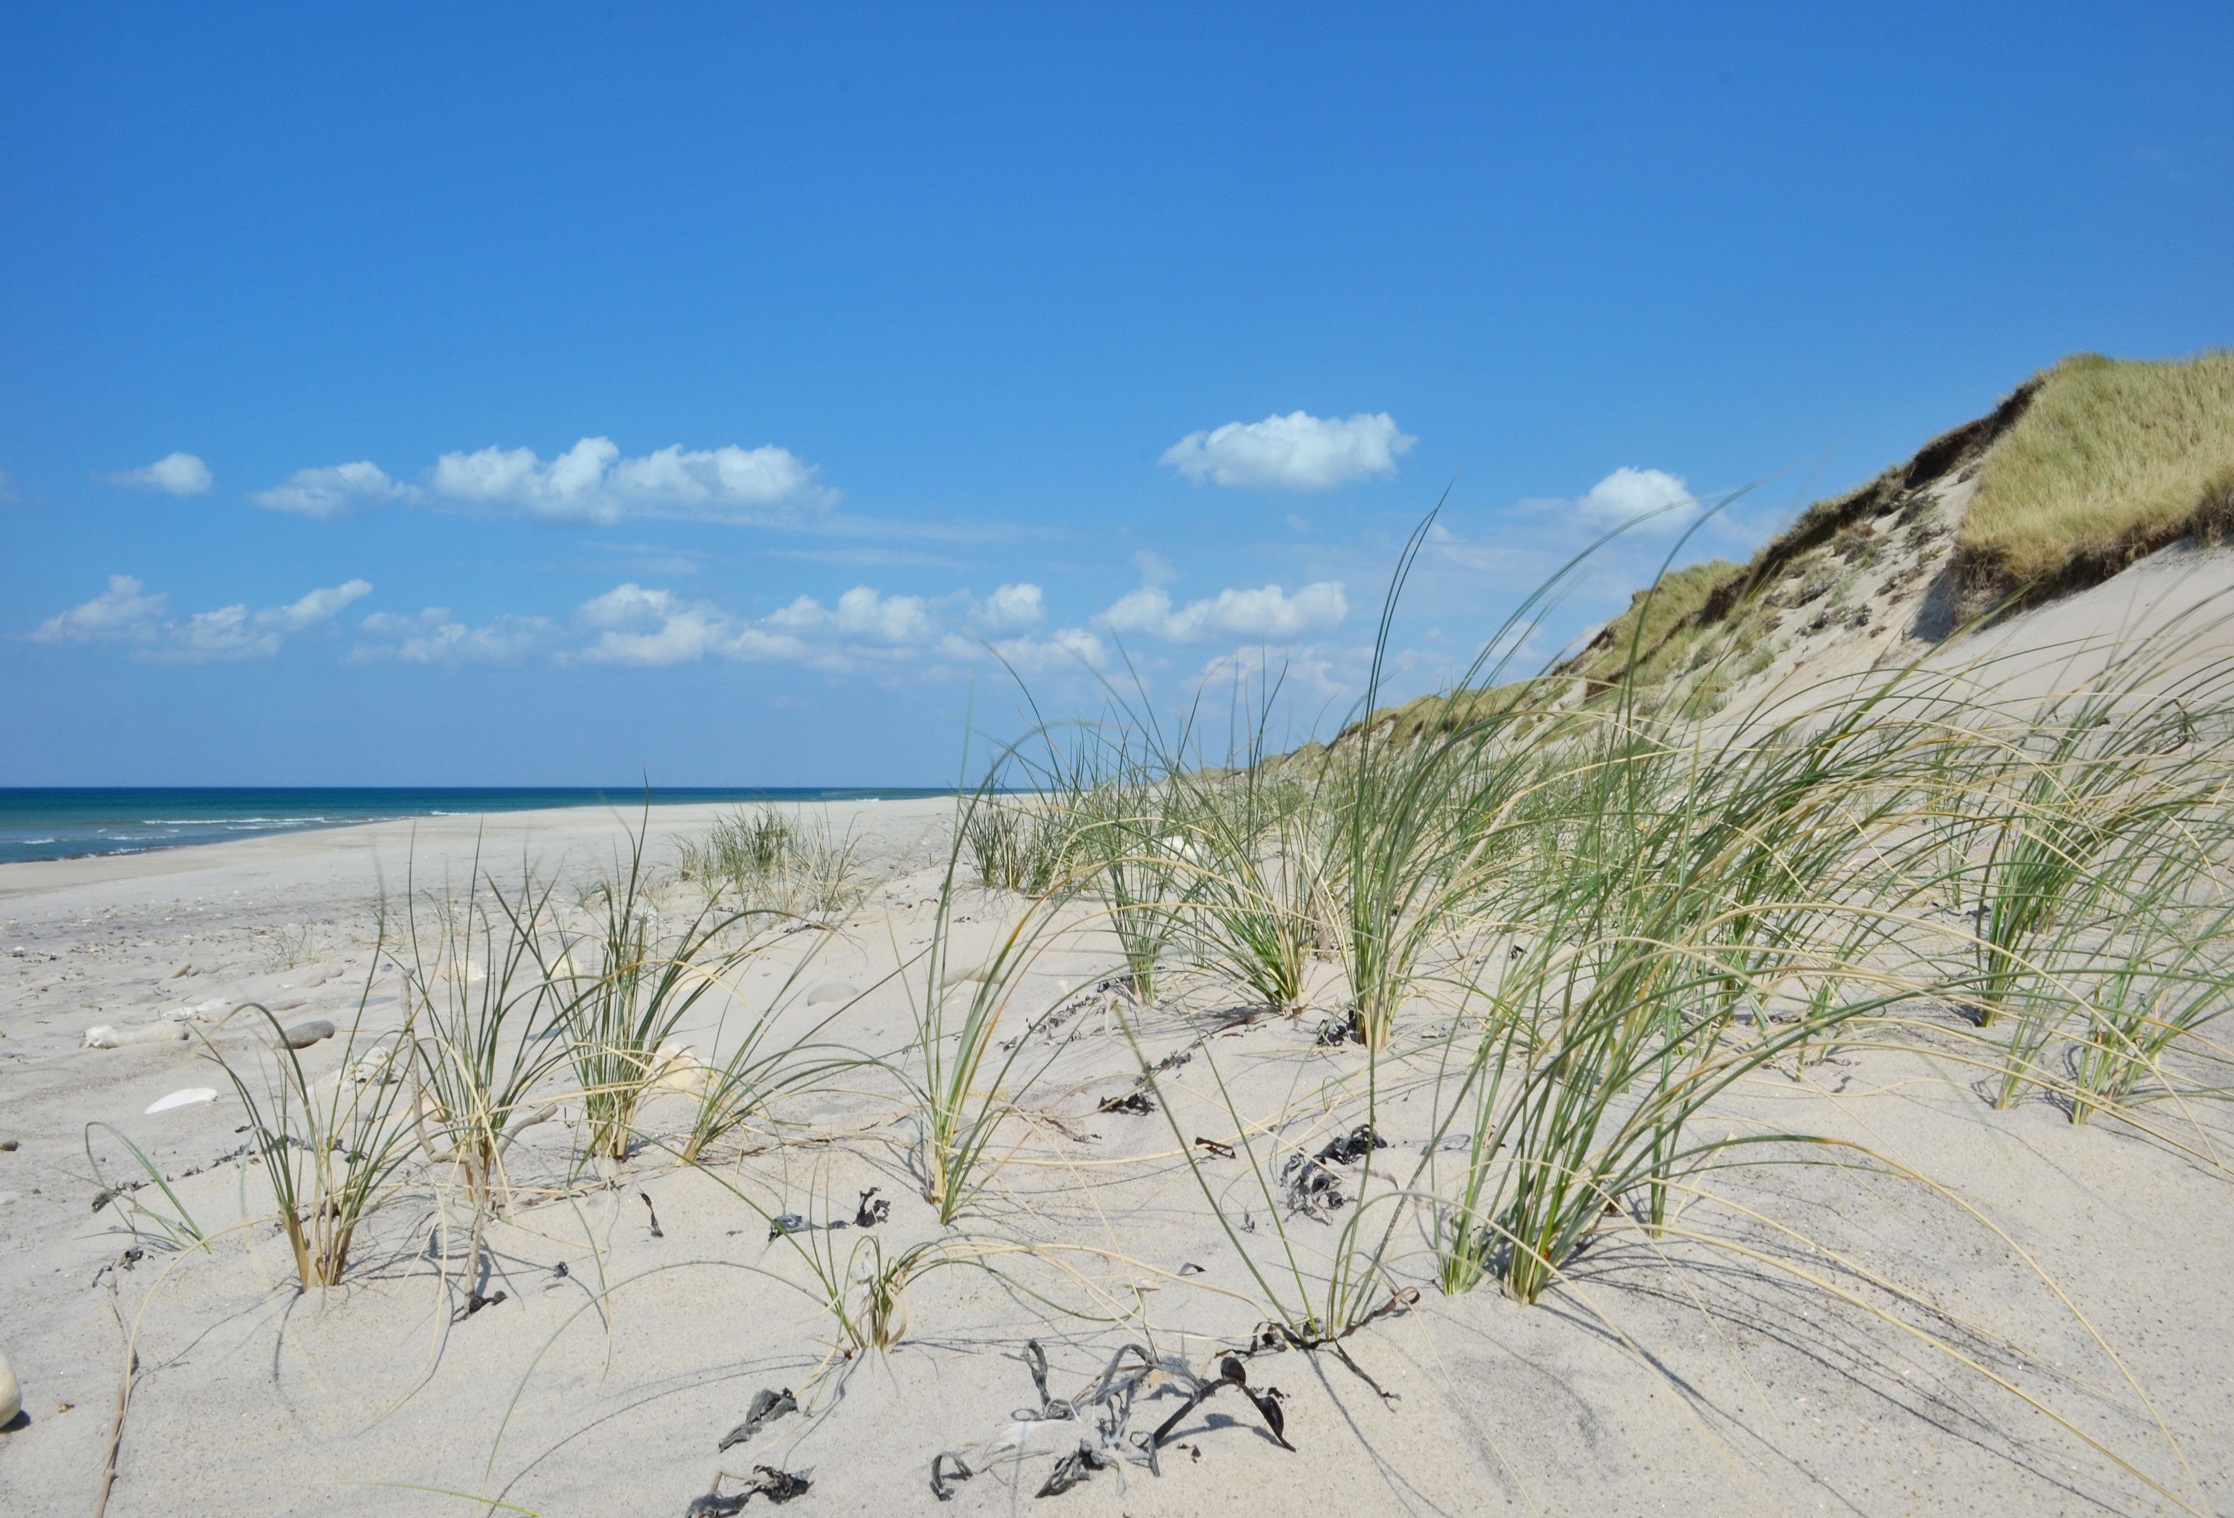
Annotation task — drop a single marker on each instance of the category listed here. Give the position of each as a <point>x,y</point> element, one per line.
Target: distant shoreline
<point>40,823</point>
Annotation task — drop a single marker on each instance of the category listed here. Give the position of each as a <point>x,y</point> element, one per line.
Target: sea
<point>72,822</point>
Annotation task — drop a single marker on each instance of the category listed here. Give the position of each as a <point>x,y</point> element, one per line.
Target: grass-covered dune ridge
<point>2081,470</point>
<point>2110,461</point>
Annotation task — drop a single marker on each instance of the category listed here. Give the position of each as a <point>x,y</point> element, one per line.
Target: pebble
<point>9,1146</point>
<point>831,990</point>
<point>11,1395</point>
<point>303,1035</point>
<point>191,1096</point>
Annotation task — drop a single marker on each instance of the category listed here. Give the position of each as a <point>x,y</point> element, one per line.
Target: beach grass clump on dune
<point>627,985</point>
<point>1022,843</point>
<point>2110,460</point>
<point>330,1147</point>
<point>1133,846</point>
<point>764,859</point>
<point>488,1020</point>
<point>1262,903</point>
<point>959,1077</point>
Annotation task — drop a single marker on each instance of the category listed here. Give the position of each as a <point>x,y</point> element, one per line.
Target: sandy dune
<point>1743,1363</point>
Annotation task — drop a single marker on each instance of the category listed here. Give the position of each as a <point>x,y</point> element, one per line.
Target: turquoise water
<point>69,823</point>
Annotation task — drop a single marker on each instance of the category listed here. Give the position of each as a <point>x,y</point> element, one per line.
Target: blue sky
<point>552,394</point>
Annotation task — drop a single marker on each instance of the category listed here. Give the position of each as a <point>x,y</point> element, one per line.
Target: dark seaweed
<point>1230,1373</point>
<point>939,1480</point>
<point>767,1406</point>
<point>1352,1146</point>
<point>1073,1469</point>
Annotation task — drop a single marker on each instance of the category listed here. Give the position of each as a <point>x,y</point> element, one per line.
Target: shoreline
<point>567,827</point>
<point>48,823</point>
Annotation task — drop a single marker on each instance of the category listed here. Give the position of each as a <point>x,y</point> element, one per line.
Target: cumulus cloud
<point>1293,452</point>
<point>173,474</point>
<point>640,626</point>
<point>126,614</point>
<point>1267,613</point>
<point>1010,608</point>
<point>316,607</point>
<point>334,491</point>
<point>1628,494</point>
<point>592,482</point>
<point>1064,648</point>
<point>123,613</point>
<point>860,613</point>
<point>229,632</point>
<point>435,636</point>
<point>1254,669</point>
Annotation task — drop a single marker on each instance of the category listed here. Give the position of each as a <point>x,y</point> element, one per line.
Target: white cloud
<point>861,613</point>
<point>1293,452</point>
<point>226,633</point>
<point>1628,494</point>
<point>120,614</point>
<point>591,482</point>
<point>173,474</point>
<point>434,636</point>
<point>334,491</point>
<point>1254,669</point>
<point>1011,608</point>
<point>316,607</point>
<point>642,626</point>
<point>1264,613</point>
<point>1064,648</point>
<point>862,628</point>
<point>124,613</point>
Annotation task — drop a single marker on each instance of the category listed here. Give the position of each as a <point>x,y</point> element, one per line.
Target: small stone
<point>11,1395</point>
<point>303,1035</point>
<point>829,991</point>
<point>9,1146</point>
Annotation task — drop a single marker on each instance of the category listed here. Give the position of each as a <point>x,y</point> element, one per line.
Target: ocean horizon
<point>75,822</point>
